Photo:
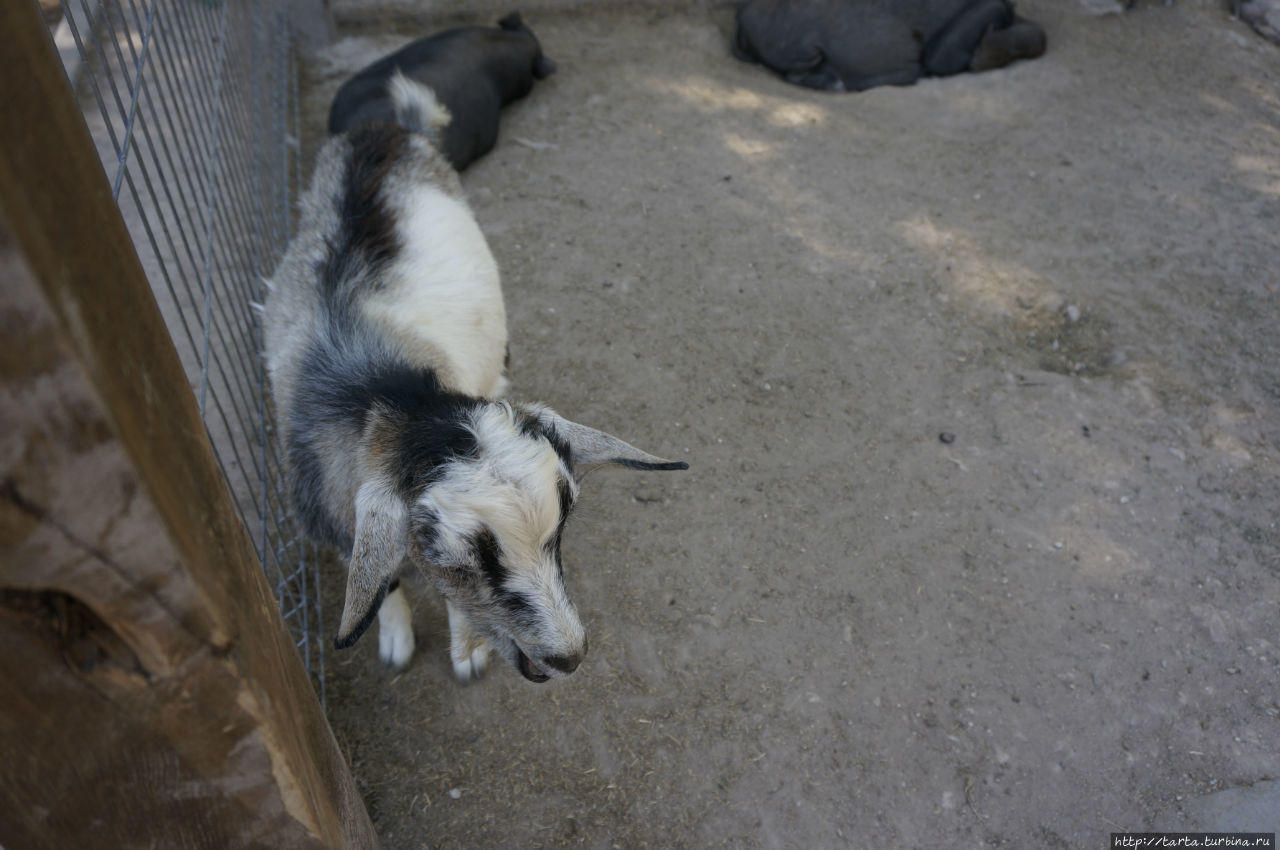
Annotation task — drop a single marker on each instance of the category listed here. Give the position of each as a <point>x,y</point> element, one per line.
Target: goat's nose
<point>566,663</point>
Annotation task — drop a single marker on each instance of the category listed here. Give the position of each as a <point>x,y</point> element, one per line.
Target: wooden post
<point>150,695</point>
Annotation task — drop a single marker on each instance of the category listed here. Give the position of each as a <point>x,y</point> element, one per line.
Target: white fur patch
<point>395,630</point>
<point>560,630</point>
<point>442,297</point>
<point>512,489</point>
<point>411,96</point>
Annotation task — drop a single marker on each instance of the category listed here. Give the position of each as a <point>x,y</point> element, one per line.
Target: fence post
<point>151,694</point>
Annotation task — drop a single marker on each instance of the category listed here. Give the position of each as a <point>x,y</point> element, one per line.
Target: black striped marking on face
<point>489,557</point>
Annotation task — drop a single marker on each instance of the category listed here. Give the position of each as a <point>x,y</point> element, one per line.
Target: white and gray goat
<point>385,340</point>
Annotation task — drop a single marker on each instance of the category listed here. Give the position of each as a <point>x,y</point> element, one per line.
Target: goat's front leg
<point>395,629</point>
<point>468,651</point>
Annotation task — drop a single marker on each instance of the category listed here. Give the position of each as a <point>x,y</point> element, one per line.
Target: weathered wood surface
<point>150,695</point>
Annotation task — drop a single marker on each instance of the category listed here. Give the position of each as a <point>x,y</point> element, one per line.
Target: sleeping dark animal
<point>851,45</point>
<point>472,72</point>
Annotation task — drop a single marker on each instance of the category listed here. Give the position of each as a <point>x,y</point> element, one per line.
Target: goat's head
<point>484,522</point>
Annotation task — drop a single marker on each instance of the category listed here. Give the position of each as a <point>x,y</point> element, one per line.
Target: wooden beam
<point>152,694</point>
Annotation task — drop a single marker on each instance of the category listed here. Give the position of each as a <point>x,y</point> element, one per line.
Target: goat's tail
<point>417,107</point>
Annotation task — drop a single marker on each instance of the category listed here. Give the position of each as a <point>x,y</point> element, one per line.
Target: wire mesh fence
<point>193,107</point>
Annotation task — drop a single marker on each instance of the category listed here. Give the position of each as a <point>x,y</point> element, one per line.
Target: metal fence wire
<point>193,106</point>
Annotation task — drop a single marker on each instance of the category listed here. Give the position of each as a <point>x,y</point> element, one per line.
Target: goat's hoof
<point>472,666</point>
<point>395,646</point>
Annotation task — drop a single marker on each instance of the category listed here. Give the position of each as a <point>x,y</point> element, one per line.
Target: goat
<point>851,45</point>
<point>472,71</point>
<point>385,340</point>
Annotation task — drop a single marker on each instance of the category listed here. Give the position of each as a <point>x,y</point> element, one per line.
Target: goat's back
<point>388,251</point>
<point>388,275</point>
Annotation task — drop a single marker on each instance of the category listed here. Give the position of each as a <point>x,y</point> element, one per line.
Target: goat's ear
<point>382,528</point>
<point>589,447</point>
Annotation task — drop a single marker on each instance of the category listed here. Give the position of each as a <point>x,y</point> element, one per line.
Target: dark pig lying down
<point>851,45</point>
<point>472,71</point>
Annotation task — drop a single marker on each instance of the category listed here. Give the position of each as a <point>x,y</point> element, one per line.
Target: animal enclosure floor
<point>979,381</point>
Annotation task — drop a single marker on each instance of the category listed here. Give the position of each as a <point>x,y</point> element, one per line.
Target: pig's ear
<point>382,528</point>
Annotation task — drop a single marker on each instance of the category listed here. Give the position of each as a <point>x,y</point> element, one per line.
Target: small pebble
<point>455,793</point>
<point>947,437</point>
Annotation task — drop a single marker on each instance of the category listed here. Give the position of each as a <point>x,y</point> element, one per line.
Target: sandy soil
<point>980,385</point>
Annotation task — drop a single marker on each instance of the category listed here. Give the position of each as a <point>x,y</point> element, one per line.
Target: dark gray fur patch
<point>366,240</point>
<point>306,474</point>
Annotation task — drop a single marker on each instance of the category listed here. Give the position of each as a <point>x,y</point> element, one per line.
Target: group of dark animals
<point>851,45</point>
<point>835,45</point>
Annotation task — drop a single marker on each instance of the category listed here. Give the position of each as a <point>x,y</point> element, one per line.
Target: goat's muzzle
<point>539,670</point>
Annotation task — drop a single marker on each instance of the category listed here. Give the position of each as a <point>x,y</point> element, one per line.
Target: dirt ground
<point>979,381</point>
